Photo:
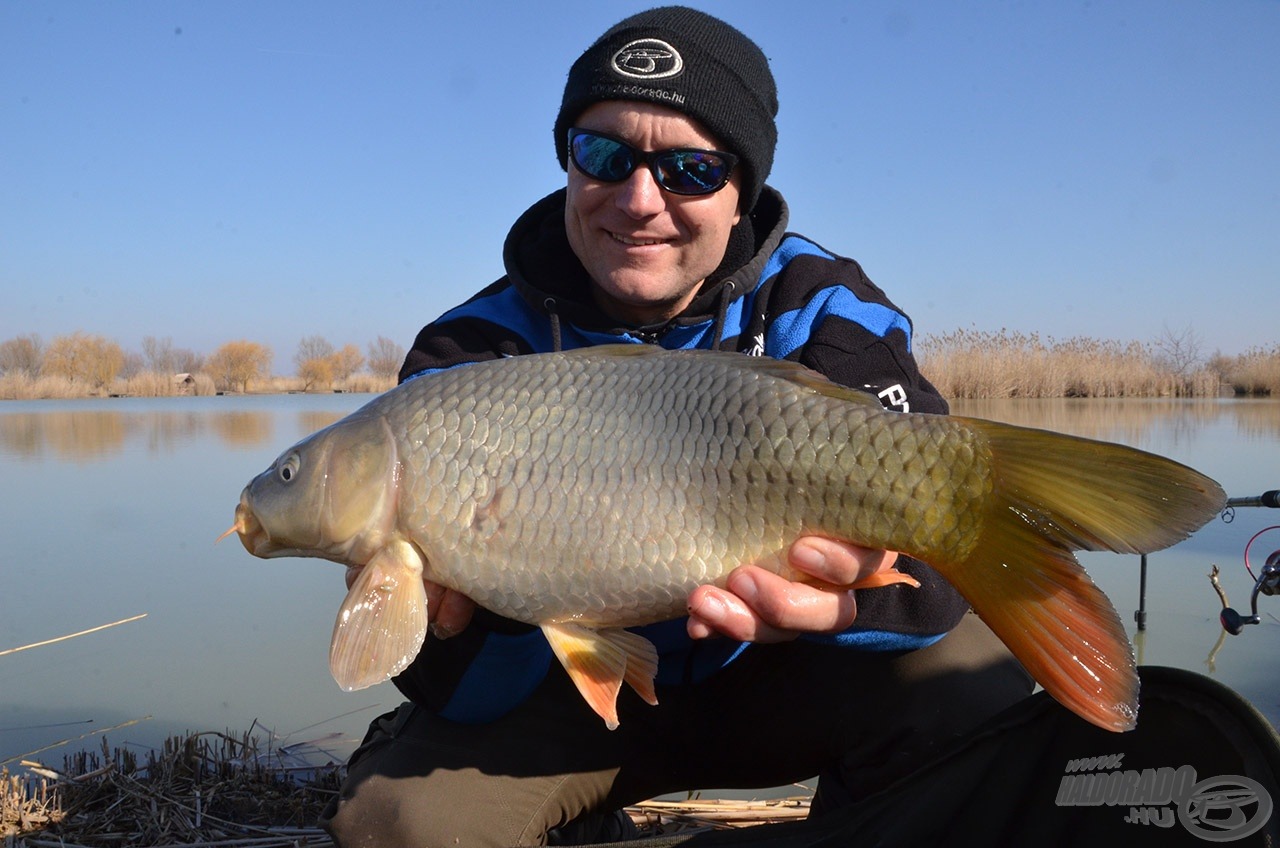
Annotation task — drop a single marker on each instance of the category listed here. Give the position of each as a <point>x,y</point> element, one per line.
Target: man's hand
<point>448,612</point>
<point>760,606</point>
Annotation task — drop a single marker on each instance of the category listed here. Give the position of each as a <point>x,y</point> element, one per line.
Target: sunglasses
<point>680,170</point>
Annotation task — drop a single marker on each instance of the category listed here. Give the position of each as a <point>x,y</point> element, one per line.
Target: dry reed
<point>219,789</point>
<point>1254,372</point>
<point>198,789</point>
<point>1008,364</point>
<point>962,364</point>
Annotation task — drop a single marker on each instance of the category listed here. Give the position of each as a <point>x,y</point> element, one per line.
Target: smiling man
<point>667,234</point>
<point>646,248</point>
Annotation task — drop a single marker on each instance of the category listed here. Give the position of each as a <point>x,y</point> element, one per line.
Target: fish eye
<point>287,467</point>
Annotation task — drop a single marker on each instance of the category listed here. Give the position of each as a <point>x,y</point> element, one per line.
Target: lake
<point>112,506</point>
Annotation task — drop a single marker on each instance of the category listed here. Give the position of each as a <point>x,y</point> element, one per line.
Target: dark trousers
<point>777,715</point>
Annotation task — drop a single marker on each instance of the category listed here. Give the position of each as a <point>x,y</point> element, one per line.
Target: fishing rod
<point>1271,499</point>
<point>1267,581</point>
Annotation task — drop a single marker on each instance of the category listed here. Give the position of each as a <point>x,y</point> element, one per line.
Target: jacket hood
<point>546,272</point>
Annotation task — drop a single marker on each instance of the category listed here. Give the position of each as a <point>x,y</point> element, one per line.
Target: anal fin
<point>599,661</point>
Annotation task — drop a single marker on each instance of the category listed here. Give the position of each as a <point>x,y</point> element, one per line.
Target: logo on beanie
<point>648,59</point>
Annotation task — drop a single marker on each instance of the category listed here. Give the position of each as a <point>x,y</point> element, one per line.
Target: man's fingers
<point>453,614</point>
<point>783,605</point>
<point>838,563</point>
<point>759,606</point>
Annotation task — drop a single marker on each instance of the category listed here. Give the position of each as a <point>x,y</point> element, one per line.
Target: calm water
<point>111,508</point>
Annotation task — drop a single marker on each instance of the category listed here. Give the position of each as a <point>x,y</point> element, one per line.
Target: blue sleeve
<point>502,675</point>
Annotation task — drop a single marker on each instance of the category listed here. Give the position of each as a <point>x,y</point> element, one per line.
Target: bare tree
<point>1179,351</point>
<point>312,347</point>
<point>385,357</point>
<point>22,355</point>
<point>133,365</point>
<point>159,354</point>
<point>187,361</point>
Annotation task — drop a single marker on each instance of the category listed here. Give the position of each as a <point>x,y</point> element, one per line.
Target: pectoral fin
<point>382,622</point>
<point>598,661</point>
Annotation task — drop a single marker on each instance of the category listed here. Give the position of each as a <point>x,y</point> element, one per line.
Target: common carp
<point>590,491</point>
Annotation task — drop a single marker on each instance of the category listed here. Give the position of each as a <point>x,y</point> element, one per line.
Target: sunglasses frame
<point>649,159</point>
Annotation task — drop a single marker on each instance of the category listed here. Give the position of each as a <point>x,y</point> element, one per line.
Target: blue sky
<point>208,171</point>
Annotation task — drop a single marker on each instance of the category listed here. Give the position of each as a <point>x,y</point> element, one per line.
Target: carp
<point>589,491</point>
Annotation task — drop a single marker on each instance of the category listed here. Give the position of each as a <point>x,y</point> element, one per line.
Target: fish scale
<point>592,490</point>
<point>634,483</point>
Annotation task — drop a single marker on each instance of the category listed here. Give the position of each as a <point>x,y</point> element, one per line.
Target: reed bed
<point>1007,364</point>
<point>1254,372</point>
<point>965,363</point>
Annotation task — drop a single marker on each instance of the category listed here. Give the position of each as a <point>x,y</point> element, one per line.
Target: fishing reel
<point>1266,582</point>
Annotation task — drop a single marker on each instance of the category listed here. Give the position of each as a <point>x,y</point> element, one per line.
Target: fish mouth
<point>250,530</point>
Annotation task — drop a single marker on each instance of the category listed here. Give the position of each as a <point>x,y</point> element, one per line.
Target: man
<point>667,234</point>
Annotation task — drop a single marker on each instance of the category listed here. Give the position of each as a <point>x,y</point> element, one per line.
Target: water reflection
<point>242,429</point>
<point>86,435</point>
<point>1131,421</point>
<point>1258,419</point>
<point>74,436</point>
<point>1116,420</point>
<point>317,419</point>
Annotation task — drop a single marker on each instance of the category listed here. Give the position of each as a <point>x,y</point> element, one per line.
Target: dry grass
<point>355,384</point>
<point>1005,364</point>
<point>199,789</point>
<point>207,789</point>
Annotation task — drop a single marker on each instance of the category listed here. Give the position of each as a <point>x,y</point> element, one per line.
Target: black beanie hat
<point>689,61</point>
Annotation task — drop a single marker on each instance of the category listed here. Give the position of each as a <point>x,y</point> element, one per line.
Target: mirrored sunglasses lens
<point>602,158</point>
<point>692,172</point>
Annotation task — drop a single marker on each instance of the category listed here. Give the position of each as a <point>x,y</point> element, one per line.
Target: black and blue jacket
<point>775,294</point>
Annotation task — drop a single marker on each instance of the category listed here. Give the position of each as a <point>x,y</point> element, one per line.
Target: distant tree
<point>312,347</point>
<point>346,362</point>
<point>22,355</point>
<point>133,365</point>
<point>82,358</point>
<point>236,364</point>
<point>315,362</point>
<point>187,361</point>
<point>1179,351</point>
<point>385,357</point>
<point>159,355</point>
<point>316,373</point>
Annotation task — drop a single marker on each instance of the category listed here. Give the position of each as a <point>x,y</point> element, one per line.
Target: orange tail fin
<point>1055,494</point>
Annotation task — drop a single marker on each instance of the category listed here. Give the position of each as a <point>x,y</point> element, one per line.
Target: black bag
<point>1202,766</point>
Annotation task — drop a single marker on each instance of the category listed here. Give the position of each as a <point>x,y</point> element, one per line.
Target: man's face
<point>647,250</point>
